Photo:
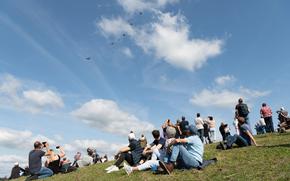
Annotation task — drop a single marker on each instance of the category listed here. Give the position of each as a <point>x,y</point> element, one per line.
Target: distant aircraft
<point>88,58</point>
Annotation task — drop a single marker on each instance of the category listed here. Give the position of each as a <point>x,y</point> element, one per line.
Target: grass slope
<point>270,161</point>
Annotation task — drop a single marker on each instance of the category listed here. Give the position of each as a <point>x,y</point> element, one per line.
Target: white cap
<point>282,109</point>
<point>16,163</point>
<point>131,136</point>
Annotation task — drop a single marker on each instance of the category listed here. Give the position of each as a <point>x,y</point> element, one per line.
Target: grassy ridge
<point>269,161</point>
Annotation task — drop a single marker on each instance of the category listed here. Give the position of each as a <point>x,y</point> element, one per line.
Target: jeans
<point>211,134</point>
<point>200,134</point>
<point>157,154</point>
<point>183,157</point>
<point>240,141</point>
<point>44,172</point>
<point>269,124</point>
<point>148,164</point>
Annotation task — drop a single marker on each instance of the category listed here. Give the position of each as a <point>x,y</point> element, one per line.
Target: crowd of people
<point>55,162</point>
<point>179,146</point>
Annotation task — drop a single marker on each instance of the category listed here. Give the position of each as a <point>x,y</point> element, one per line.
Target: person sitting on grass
<point>85,160</point>
<point>131,153</point>
<point>170,133</point>
<point>186,152</point>
<point>34,161</point>
<point>53,161</point>
<point>244,139</point>
<point>224,130</point>
<point>15,172</point>
<point>156,148</point>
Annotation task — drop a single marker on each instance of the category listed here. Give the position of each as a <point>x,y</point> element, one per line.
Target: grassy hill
<point>269,161</point>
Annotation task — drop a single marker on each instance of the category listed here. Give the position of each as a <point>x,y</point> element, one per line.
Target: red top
<point>266,111</point>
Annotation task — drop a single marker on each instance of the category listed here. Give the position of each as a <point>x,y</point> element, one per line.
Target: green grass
<point>269,161</point>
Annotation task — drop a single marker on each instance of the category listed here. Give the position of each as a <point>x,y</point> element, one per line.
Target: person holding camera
<point>53,160</point>
<point>34,161</point>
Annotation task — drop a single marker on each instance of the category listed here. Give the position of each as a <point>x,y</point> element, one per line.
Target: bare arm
<point>62,153</point>
<point>124,149</point>
<point>47,153</point>
<point>252,138</point>
<point>179,140</point>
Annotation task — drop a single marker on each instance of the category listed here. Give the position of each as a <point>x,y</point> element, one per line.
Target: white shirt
<point>199,123</point>
<point>262,122</point>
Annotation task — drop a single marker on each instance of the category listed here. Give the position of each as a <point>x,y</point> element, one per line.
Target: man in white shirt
<point>199,126</point>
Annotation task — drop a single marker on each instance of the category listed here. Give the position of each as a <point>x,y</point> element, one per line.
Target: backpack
<point>243,110</point>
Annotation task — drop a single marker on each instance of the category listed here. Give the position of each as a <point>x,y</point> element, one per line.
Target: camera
<point>57,147</point>
<point>44,143</point>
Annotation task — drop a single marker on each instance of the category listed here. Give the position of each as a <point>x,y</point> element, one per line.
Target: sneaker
<point>113,169</point>
<point>167,167</point>
<point>128,169</point>
<point>109,168</point>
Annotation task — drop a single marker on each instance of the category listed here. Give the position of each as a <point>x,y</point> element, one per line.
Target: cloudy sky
<point>84,74</point>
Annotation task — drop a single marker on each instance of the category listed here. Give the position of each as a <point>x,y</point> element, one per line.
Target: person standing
<point>266,113</point>
<point>242,110</point>
<point>199,126</point>
<point>211,125</point>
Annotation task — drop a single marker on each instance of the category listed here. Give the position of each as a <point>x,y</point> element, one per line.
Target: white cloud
<point>7,162</point>
<point>115,27</point>
<point>106,115</point>
<point>168,39</point>
<point>224,98</point>
<point>43,98</point>
<point>223,80</point>
<point>10,138</point>
<point>132,6</point>
<point>126,51</point>
<point>101,146</point>
<point>15,93</point>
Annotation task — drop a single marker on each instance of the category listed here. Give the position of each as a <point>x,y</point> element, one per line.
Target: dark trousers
<point>125,156</point>
<point>240,141</point>
<point>200,134</point>
<point>269,124</point>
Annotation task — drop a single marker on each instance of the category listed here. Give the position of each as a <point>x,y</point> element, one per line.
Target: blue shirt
<point>244,128</point>
<point>195,147</point>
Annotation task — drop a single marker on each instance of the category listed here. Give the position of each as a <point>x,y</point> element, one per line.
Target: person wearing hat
<point>186,152</point>
<point>170,133</point>
<point>85,160</point>
<point>131,153</point>
<point>15,172</point>
<point>284,119</point>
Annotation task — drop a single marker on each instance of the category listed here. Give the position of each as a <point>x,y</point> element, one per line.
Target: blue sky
<point>148,61</point>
